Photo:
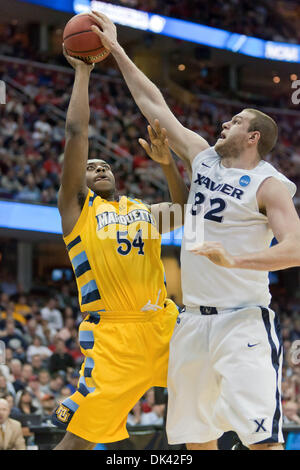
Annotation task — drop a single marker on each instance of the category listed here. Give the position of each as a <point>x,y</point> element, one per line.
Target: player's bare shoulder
<point>269,191</point>
<point>70,208</point>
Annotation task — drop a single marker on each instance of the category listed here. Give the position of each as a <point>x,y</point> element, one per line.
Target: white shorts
<point>225,375</point>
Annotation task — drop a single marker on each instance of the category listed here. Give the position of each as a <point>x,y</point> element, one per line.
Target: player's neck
<point>108,196</point>
<point>243,161</point>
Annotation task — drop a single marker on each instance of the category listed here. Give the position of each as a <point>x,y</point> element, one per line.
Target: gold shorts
<point>126,353</point>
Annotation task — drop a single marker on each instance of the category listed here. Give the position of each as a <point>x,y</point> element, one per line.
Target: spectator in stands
<point>37,348</point>
<point>64,393</point>
<point>15,366</point>
<point>21,306</point>
<point>24,403</point>
<point>52,314</point>
<point>134,416</point>
<point>44,380</point>
<point>34,388</point>
<point>37,364</point>
<point>14,411</point>
<point>60,360</point>
<point>56,384</point>
<point>27,372</point>
<point>48,405</point>
<point>73,378</point>
<point>11,436</point>
<point>6,387</point>
<point>12,337</point>
<point>291,412</point>
<point>151,413</point>
<point>30,191</point>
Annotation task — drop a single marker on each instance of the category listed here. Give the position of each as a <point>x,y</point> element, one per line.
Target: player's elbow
<point>74,128</point>
<point>292,241</point>
<point>296,243</point>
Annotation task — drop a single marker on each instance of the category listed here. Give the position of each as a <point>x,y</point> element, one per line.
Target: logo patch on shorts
<point>62,416</point>
<point>259,425</point>
<point>63,413</point>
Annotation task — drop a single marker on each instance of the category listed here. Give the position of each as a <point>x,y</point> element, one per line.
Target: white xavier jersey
<point>227,199</point>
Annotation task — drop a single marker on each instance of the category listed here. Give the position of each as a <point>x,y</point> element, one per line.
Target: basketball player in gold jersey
<point>114,247</point>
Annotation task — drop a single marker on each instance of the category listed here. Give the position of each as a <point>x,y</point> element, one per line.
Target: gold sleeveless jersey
<point>115,251</point>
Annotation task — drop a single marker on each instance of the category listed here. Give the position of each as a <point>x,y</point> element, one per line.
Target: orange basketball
<point>81,42</point>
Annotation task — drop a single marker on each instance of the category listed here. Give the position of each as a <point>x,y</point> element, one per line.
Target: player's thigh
<point>114,375</point>
<point>248,356</point>
<point>72,442</point>
<point>211,445</point>
<point>193,385</point>
<point>270,446</point>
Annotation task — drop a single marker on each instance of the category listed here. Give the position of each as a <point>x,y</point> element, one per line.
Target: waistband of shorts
<point>205,310</point>
<point>123,316</point>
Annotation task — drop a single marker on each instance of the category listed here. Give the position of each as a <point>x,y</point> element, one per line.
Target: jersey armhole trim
<point>80,221</point>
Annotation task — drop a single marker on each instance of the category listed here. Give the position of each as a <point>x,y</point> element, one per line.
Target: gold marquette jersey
<point>115,251</point>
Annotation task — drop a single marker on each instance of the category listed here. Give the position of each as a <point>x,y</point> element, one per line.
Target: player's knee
<point>267,446</point>
<point>211,445</point>
<point>73,442</point>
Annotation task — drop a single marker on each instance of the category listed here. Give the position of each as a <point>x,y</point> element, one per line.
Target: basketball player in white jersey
<point>226,353</point>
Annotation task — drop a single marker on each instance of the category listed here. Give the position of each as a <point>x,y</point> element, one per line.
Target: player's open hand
<point>77,63</point>
<point>216,253</point>
<point>106,30</point>
<point>159,149</point>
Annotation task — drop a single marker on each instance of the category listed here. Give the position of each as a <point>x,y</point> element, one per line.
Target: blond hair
<point>268,131</point>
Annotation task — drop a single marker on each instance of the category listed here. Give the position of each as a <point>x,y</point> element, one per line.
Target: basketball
<point>81,42</point>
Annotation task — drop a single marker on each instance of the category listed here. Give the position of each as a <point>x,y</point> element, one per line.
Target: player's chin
<point>104,184</point>
<point>220,146</point>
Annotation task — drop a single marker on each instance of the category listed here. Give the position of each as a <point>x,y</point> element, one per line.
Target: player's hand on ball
<point>106,30</point>
<point>216,253</point>
<point>159,149</point>
<point>77,63</point>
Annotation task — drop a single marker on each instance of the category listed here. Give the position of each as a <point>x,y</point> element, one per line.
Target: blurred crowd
<point>32,134</point>
<point>43,356</point>
<point>42,359</point>
<point>260,19</point>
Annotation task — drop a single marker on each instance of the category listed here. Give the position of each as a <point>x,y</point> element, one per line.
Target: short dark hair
<point>268,131</point>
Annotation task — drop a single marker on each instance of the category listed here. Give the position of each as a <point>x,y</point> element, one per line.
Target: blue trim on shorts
<point>275,356</point>
<point>83,388</point>
<point>86,339</point>
<point>88,367</point>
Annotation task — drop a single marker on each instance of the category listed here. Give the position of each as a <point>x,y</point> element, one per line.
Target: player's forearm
<point>177,187</point>
<point>285,254</point>
<point>145,93</point>
<point>78,114</point>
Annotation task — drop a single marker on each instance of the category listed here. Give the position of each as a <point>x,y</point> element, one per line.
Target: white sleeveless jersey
<point>226,197</point>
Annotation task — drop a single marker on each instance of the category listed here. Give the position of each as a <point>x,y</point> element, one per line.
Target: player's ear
<point>254,137</point>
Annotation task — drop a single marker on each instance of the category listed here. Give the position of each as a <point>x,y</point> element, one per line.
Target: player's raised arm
<point>185,143</point>
<point>168,215</point>
<point>73,189</point>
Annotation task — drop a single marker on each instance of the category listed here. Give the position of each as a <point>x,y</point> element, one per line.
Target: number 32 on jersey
<point>217,205</point>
